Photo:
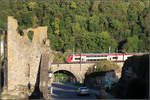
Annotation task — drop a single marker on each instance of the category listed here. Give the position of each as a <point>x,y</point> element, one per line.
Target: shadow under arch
<point>71,77</point>
<point>97,78</point>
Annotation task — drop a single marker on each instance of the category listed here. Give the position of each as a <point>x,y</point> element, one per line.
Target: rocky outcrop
<point>24,57</point>
<point>134,81</point>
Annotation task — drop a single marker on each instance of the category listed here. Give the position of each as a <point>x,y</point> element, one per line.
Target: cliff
<point>134,81</point>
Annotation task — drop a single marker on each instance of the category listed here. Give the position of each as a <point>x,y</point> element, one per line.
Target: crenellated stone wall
<point>24,56</point>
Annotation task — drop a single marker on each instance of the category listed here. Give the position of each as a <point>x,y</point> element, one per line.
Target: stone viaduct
<point>78,70</point>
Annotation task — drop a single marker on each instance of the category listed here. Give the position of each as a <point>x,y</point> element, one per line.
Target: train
<point>85,58</point>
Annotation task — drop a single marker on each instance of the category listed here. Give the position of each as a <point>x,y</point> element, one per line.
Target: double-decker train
<point>115,57</point>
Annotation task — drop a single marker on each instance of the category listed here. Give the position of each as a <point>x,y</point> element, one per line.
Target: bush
<point>106,66</point>
<point>103,66</point>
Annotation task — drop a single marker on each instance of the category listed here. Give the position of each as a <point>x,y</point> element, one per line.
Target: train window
<point>77,58</point>
<point>103,55</point>
<point>115,57</point>
<point>96,56</point>
<point>93,56</point>
<point>89,56</point>
<point>102,59</point>
<point>88,59</point>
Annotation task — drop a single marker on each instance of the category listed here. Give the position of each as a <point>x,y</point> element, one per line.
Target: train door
<point>83,59</point>
<point>109,58</point>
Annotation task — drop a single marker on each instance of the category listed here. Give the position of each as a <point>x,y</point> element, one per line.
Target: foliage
<point>132,44</point>
<point>103,66</point>
<point>87,26</point>
<point>61,77</point>
<point>61,57</point>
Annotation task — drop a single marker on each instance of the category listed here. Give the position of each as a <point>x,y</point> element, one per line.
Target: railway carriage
<point>116,57</point>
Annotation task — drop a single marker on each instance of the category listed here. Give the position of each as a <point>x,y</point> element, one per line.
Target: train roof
<point>105,54</point>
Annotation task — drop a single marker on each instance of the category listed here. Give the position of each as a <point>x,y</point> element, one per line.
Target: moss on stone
<point>30,35</point>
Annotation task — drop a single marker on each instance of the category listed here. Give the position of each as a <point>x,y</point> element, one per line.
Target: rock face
<point>24,56</point>
<point>134,81</point>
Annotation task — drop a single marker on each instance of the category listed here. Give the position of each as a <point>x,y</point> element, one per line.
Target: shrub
<point>103,66</point>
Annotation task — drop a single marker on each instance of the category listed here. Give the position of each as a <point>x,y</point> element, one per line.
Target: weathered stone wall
<point>24,55</point>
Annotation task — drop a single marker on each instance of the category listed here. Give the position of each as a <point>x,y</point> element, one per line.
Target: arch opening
<point>64,76</point>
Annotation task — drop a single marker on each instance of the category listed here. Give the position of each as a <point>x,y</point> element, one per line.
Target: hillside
<point>91,26</point>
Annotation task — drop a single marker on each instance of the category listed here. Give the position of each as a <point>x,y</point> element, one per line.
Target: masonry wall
<point>24,55</point>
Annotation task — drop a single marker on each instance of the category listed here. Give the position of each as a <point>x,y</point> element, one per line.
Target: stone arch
<point>73,77</point>
<point>77,70</point>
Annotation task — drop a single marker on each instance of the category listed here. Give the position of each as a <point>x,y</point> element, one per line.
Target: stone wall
<point>24,56</point>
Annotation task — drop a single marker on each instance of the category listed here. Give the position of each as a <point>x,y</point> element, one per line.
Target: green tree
<point>56,26</point>
<point>73,5</point>
<point>104,41</point>
<point>143,43</point>
<point>32,5</point>
<point>94,24</point>
<point>132,44</point>
<point>133,12</point>
<point>82,24</point>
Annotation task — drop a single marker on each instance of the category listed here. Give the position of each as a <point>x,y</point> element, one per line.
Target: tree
<point>93,24</point>
<point>132,44</point>
<point>143,43</point>
<point>56,26</point>
<point>104,41</point>
<point>73,5</point>
<point>32,5</point>
<point>132,12</point>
